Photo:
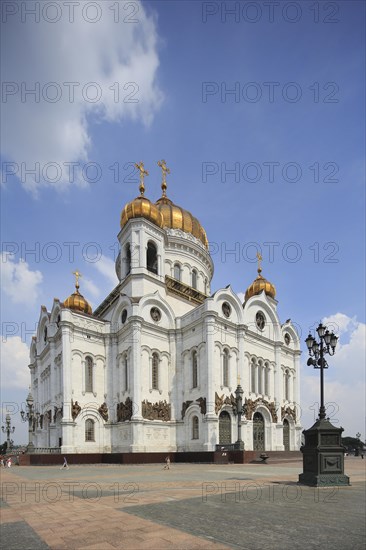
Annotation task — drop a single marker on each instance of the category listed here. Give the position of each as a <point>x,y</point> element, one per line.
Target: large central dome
<point>175,217</point>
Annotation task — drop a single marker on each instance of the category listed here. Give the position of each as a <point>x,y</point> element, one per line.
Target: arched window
<point>177,272</point>
<point>126,372</point>
<point>152,258</point>
<point>253,377</point>
<point>266,379</point>
<point>260,377</point>
<point>194,278</point>
<point>155,372</point>
<point>287,385</point>
<point>194,370</point>
<point>89,430</point>
<point>206,285</point>
<point>128,258</point>
<point>195,428</point>
<point>88,374</point>
<point>225,368</point>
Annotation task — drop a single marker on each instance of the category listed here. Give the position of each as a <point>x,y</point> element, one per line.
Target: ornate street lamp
<point>8,430</point>
<point>326,345</point>
<point>323,453</point>
<point>29,415</point>
<point>239,444</point>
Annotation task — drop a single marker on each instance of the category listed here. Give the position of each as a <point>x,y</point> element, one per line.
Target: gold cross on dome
<point>77,276</point>
<point>165,170</point>
<point>140,167</point>
<point>259,258</point>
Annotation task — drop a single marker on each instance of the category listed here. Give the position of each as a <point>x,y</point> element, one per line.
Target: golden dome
<point>77,301</point>
<point>141,207</point>
<point>259,284</point>
<point>175,217</point>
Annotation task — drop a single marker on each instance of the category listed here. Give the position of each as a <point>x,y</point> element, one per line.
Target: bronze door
<point>258,432</point>
<point>224,428</point>
<point>286,435</point>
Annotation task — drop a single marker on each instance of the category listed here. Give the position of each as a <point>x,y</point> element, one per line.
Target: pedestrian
<point>167,463</point>
<point>2,465</point>
<point>65,464</point>
<point>8,462</point>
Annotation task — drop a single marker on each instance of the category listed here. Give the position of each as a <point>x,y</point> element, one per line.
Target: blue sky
<point>291,133</point>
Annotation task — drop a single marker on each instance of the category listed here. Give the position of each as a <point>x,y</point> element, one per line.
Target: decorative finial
<point>259,258</point>
<point>77,276</point>
<point>165,170</point>
<point>143,173</point>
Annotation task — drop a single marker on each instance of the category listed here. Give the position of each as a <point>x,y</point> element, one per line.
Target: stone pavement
<point>251,506</point>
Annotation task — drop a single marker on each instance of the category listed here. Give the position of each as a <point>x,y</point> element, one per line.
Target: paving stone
<point>20,536</point>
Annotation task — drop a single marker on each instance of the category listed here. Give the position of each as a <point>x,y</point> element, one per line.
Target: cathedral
<point>158,364</point>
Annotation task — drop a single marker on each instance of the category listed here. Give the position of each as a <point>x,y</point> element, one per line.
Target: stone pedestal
<point>323,456</point>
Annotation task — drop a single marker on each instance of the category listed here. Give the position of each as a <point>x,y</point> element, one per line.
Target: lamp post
<point>29,415</point>
<point>326,345</point>
<point>239,444</point>
<point>323,453</point>
<point>8,430</point>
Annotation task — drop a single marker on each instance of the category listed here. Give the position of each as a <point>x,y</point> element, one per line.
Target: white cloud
<point>120,58</point>
<point>90,287</point>
<point>19,282</point>
<point>344,380</point>
<point>106,267</point>
<point>14,363</point>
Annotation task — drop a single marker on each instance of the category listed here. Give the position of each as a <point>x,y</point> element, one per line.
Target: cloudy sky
<point>258,108</point>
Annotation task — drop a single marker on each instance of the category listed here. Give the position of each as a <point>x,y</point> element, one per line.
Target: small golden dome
<point>77,301</point>
<point>141,207</point>
<point>260,284</point>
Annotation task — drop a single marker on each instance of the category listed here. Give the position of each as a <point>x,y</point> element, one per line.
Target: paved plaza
<point>251,506</point>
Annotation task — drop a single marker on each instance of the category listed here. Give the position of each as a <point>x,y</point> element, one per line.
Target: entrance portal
<point>258,432</point>
<point>224,428</point>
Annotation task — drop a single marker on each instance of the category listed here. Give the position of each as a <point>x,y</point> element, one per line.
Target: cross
<point>259,258</point>
<point>165,170</point>
<point>77,275</point>
<point>143,173</point>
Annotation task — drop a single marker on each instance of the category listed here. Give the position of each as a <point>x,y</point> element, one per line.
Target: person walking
<point>167,463</point>
<point>65,464</point>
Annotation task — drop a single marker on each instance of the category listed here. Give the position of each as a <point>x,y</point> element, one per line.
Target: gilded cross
<point>77,275</point>
<point>165,170</point>
<point>259,258</point>
<point>140,167</point>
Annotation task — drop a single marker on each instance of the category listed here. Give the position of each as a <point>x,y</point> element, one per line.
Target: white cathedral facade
<point>155,367</point>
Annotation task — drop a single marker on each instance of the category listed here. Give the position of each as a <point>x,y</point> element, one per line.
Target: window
<point>206,286</point>
<point>266,379</point>
<point>194,370</point>
<point>260,320</point>
<point>89,430</point>
<point>194,278</point>
<point>287,385</point>
<point>88,374</point>
<point>155,372</point>
<point>253,367</point>
<point>195,428</point>
<point>126,372</point>
<point>225,368</point>
<point>177,272</point>
<point>128,258</point>
<point>152,258</point>
<point>260,377</point>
